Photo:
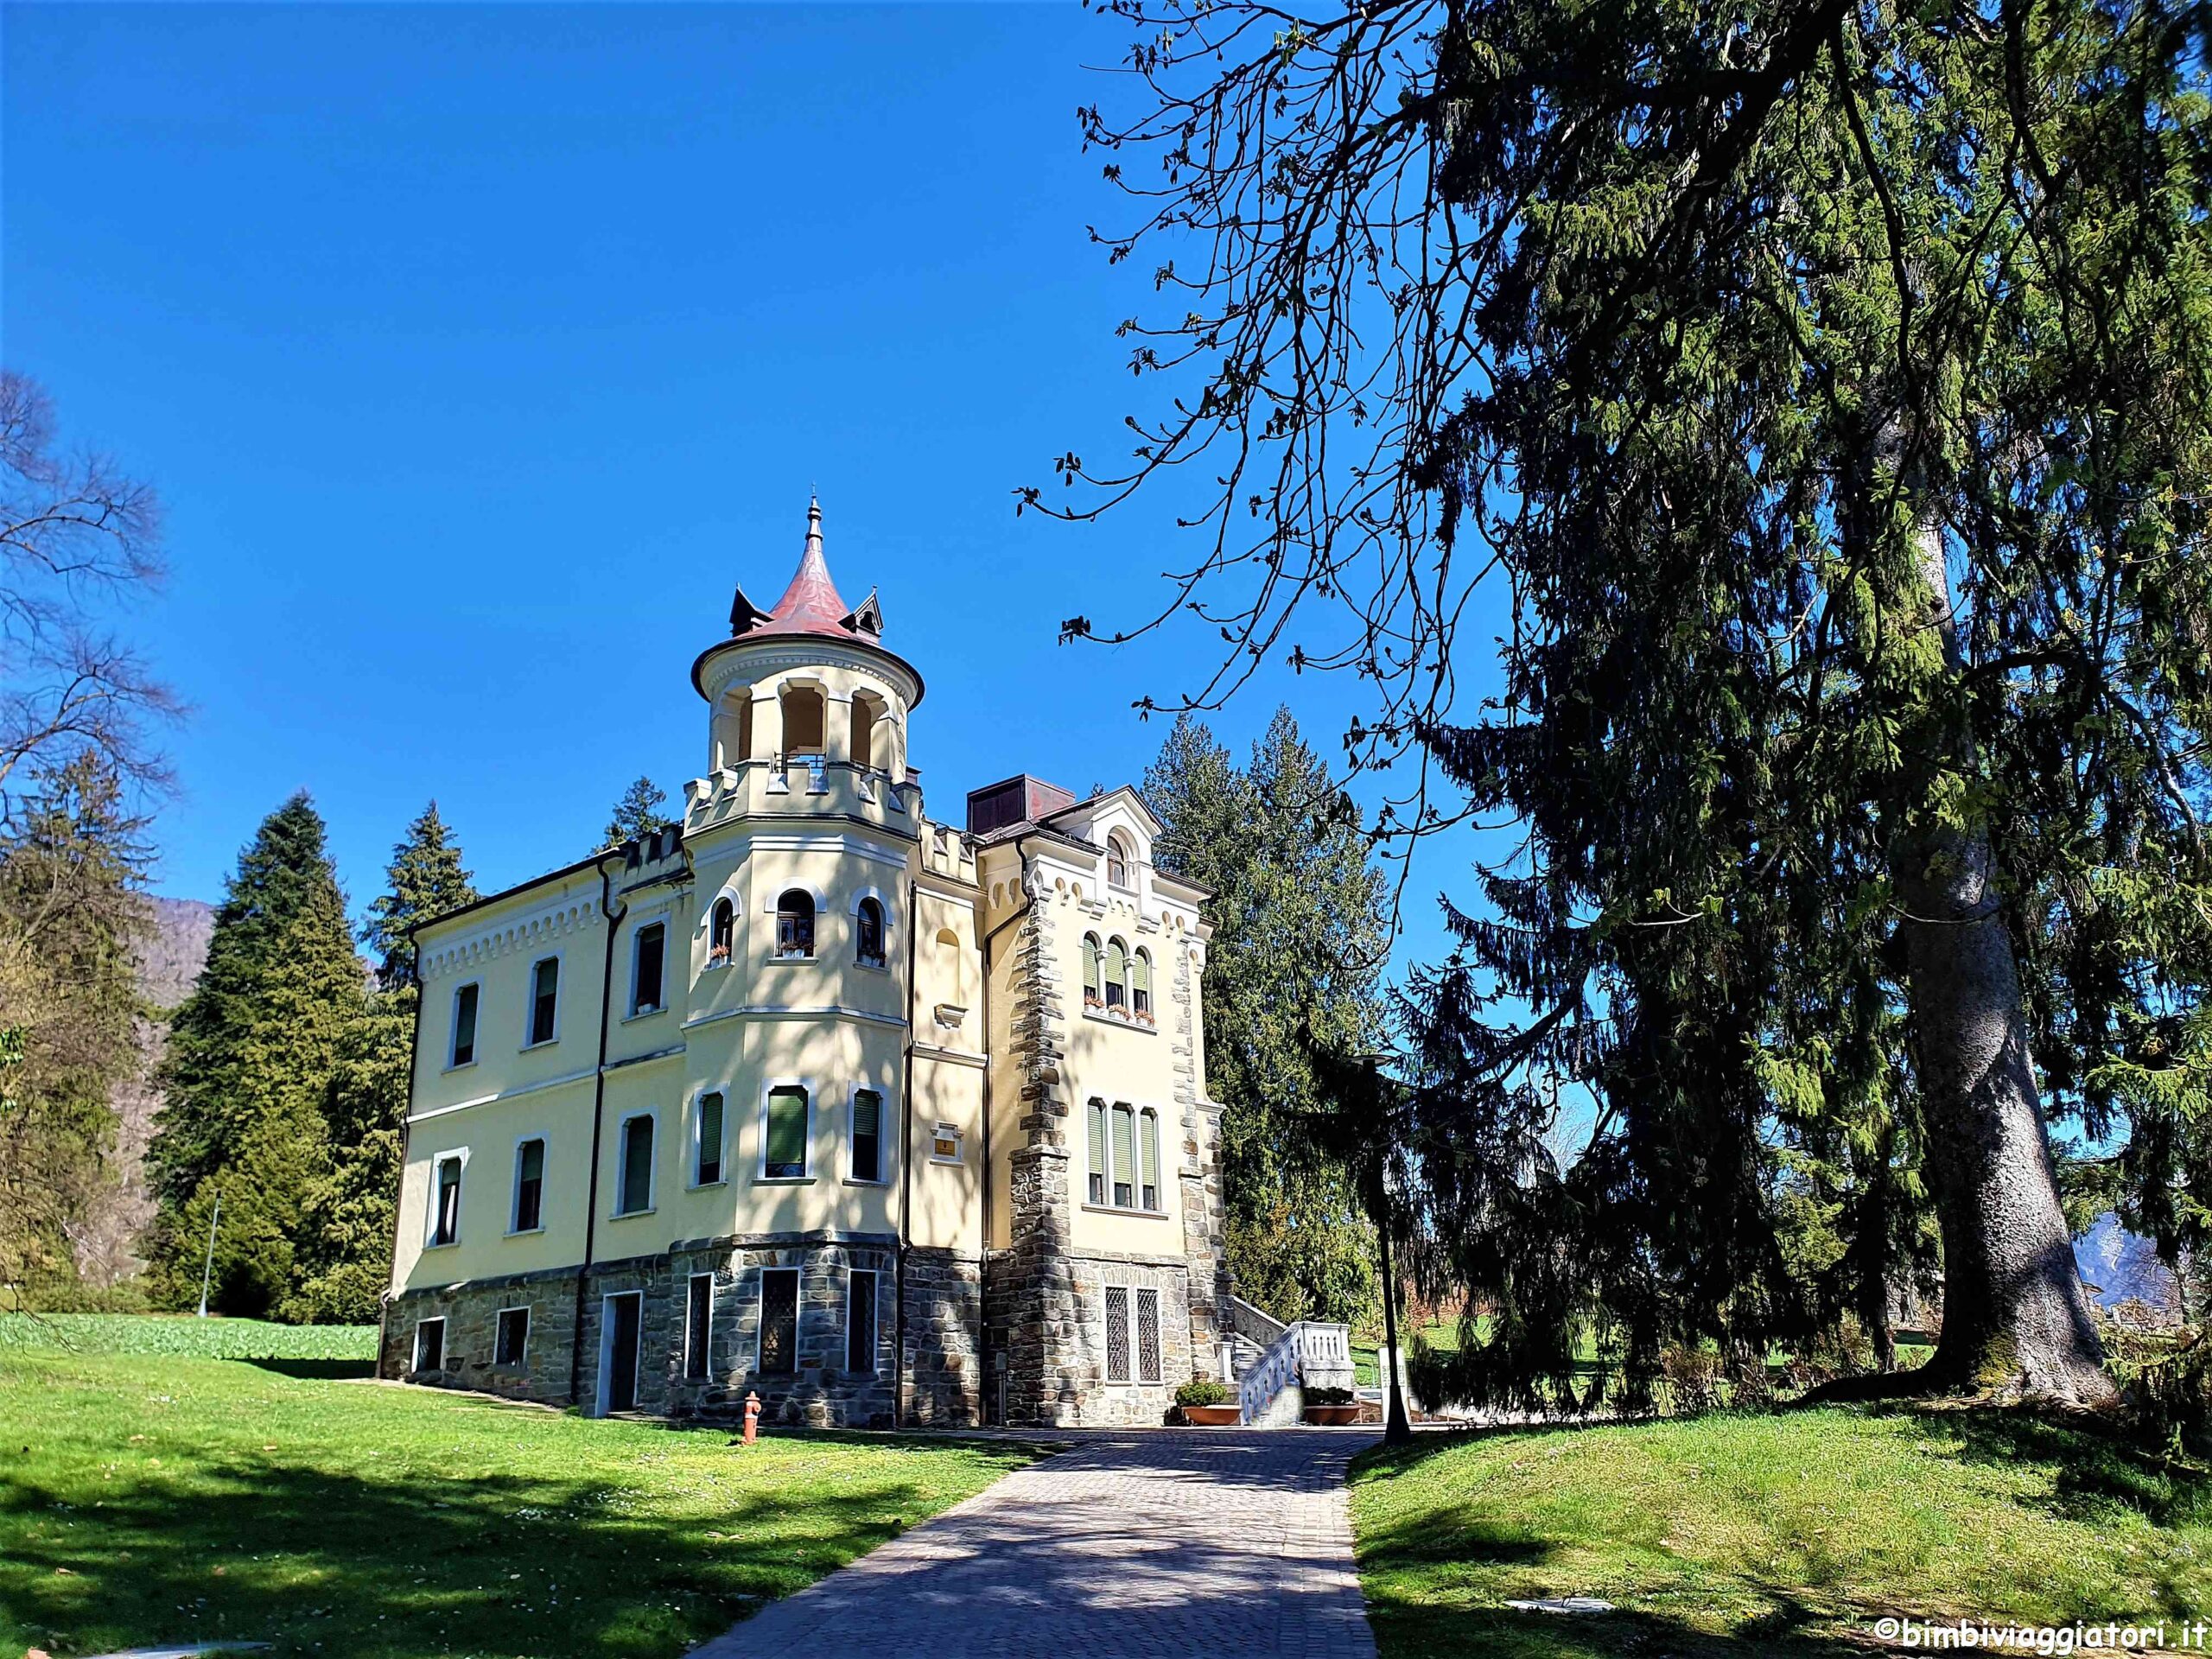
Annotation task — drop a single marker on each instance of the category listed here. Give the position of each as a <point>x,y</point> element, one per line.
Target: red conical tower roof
<point>812,604</point>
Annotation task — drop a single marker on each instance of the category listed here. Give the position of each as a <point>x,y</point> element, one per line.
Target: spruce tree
<point>346,1261</point>
<point>252,1053</point>
<point>1831,388</point>
<point>637,814</point>
<point>1295,958</point>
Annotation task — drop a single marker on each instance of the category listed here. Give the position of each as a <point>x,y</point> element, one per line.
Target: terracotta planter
<point>1332,1416</point>
<point>1211,1416</point>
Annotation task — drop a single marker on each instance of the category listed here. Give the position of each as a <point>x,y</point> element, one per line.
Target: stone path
<point>1168,1543</point>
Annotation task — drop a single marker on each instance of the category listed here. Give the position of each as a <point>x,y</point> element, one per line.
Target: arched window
<point>795,924</point>
<point>1093,996</point>
<point>867,933</point>
<point>803,721</point>
<point>1117,860</point>
<point>1117,973</point>
<point>1140,984</point>
<point>721,932</point>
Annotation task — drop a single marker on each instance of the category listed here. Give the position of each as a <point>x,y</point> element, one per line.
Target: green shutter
<point>1091,965</point>
<point>710,1138</point>
<point>867,1133</point>
<point>787,1132</point>
<point>1098,1140</point>
<point>1149,1147</point>
<point>637,1165</point>
<point>1141,972</point>
<point>533,1160</point>
<point>1124,1148</point>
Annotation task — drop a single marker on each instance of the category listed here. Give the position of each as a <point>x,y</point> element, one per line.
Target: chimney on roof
<point>1019,797</point>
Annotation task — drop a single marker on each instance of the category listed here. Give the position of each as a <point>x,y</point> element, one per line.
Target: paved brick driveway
<point>1168,1543</point>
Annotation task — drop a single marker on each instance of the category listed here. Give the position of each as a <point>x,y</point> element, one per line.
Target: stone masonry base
<point>941,1369</point>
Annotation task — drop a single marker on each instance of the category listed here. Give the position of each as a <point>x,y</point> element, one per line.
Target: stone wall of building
<point>944,1322</point>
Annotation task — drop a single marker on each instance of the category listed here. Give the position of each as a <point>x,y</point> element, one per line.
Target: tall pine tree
<point>1297,950</point>
<point>637,814</point>
<point>253,1054</point>
<point>350,1211</point>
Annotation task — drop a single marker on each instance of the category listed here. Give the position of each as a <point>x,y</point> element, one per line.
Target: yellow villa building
<point>887,1121</point>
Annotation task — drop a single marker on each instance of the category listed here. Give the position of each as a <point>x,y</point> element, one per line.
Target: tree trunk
<point>2015,1319</point>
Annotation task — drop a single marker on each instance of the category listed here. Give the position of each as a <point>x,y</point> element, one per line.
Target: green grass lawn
<point>155,1496</point>
<point>1784,1534</point>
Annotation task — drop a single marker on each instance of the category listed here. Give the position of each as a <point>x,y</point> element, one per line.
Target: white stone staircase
<point>1274,1364</point>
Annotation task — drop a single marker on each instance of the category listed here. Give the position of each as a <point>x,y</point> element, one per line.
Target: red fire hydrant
<point>751,1417</point>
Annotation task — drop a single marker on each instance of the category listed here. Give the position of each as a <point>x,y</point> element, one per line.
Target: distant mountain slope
<point>168,962</point>
<point>2118,1266</point>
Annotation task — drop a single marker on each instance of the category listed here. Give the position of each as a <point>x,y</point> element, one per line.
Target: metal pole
<point>206,1272</point>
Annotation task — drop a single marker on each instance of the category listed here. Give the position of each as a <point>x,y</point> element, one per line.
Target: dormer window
<point>721,932</point>
<point>1117,860</point>
<point>795,924</point>
<point>867,943</point>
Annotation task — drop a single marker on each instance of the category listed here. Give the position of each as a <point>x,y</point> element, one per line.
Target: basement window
<point>430,1345</point>
<point>698,1325</point>
<point>778,1321</point>
<point>514,1343</point>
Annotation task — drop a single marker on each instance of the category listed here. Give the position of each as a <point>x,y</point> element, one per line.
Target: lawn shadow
<point>325,1370</point>
<point>393,1565</point>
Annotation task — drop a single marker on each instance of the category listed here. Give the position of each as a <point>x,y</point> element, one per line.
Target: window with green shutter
<point>708,1169</point>
<point>1125,1151</point>
<point>637,1187</point>
<point>1148,1156</point>
<point>784,1154</point>
<point>867,1135</point>
<point>1097,1151</point>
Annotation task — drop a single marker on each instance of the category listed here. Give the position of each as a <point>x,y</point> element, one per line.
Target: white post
<point>206,1271</point>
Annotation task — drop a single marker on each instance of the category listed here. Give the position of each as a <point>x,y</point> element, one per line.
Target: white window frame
<point>529,999</point>
<point>1136,1378</point>
<point>638,1011</point>
<point>760,1164</point>
<point>697,1144</point>
<point>707,1340</point>
<point>476,1039</point>
<point>726,896</point>
<point>522,1364</point>
<point>875,1276</point>
<point>952,1132</point>
<point>622,1163</point>
<point>415,1362</point>
<point>798,1318</point>
<point>1128,862</point>
<point>438,1161</point>
<point>853,920</point>
<point>514,1195</point>
<point>883,1115</point>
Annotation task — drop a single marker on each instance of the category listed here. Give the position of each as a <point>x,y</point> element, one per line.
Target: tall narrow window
<point>867,1135</point>
<point>1125,1153</point>
<point>634,1188</point>
<point>707,1165</point>
<point>1117,973</point>
<point>1141,983</point>
<point>645,969</point>
<point>860,1324</point>
<point>795,924</point>
<point>511,1346</point>
<point>869,933</point>
<point>445,1200</point>
<point>1092,994</point>
<point>1147,1336</point>
<point>1117,1333</point>
<point>1149,1157</point>
<point>464,1023</point>
<point>698,1325</point>
<point>1097,1162</point>
<point>544,998</point>
<point>778,1320</point>
<point>430,1345</point>
<point>721,932</point>
<point>530,1186</point>
<point>1118,860</point>
<point>784,1137</point>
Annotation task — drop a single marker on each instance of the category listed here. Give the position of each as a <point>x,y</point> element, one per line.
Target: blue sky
<point>477,352</point>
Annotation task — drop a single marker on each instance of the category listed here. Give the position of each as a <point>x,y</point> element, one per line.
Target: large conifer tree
<point>1831,386</point>
<point>351,1210</point>
<point>252,1053</point>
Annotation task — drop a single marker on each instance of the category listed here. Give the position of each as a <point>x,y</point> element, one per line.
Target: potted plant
<point>1330,1407</point>
<point>1208,1404</point>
